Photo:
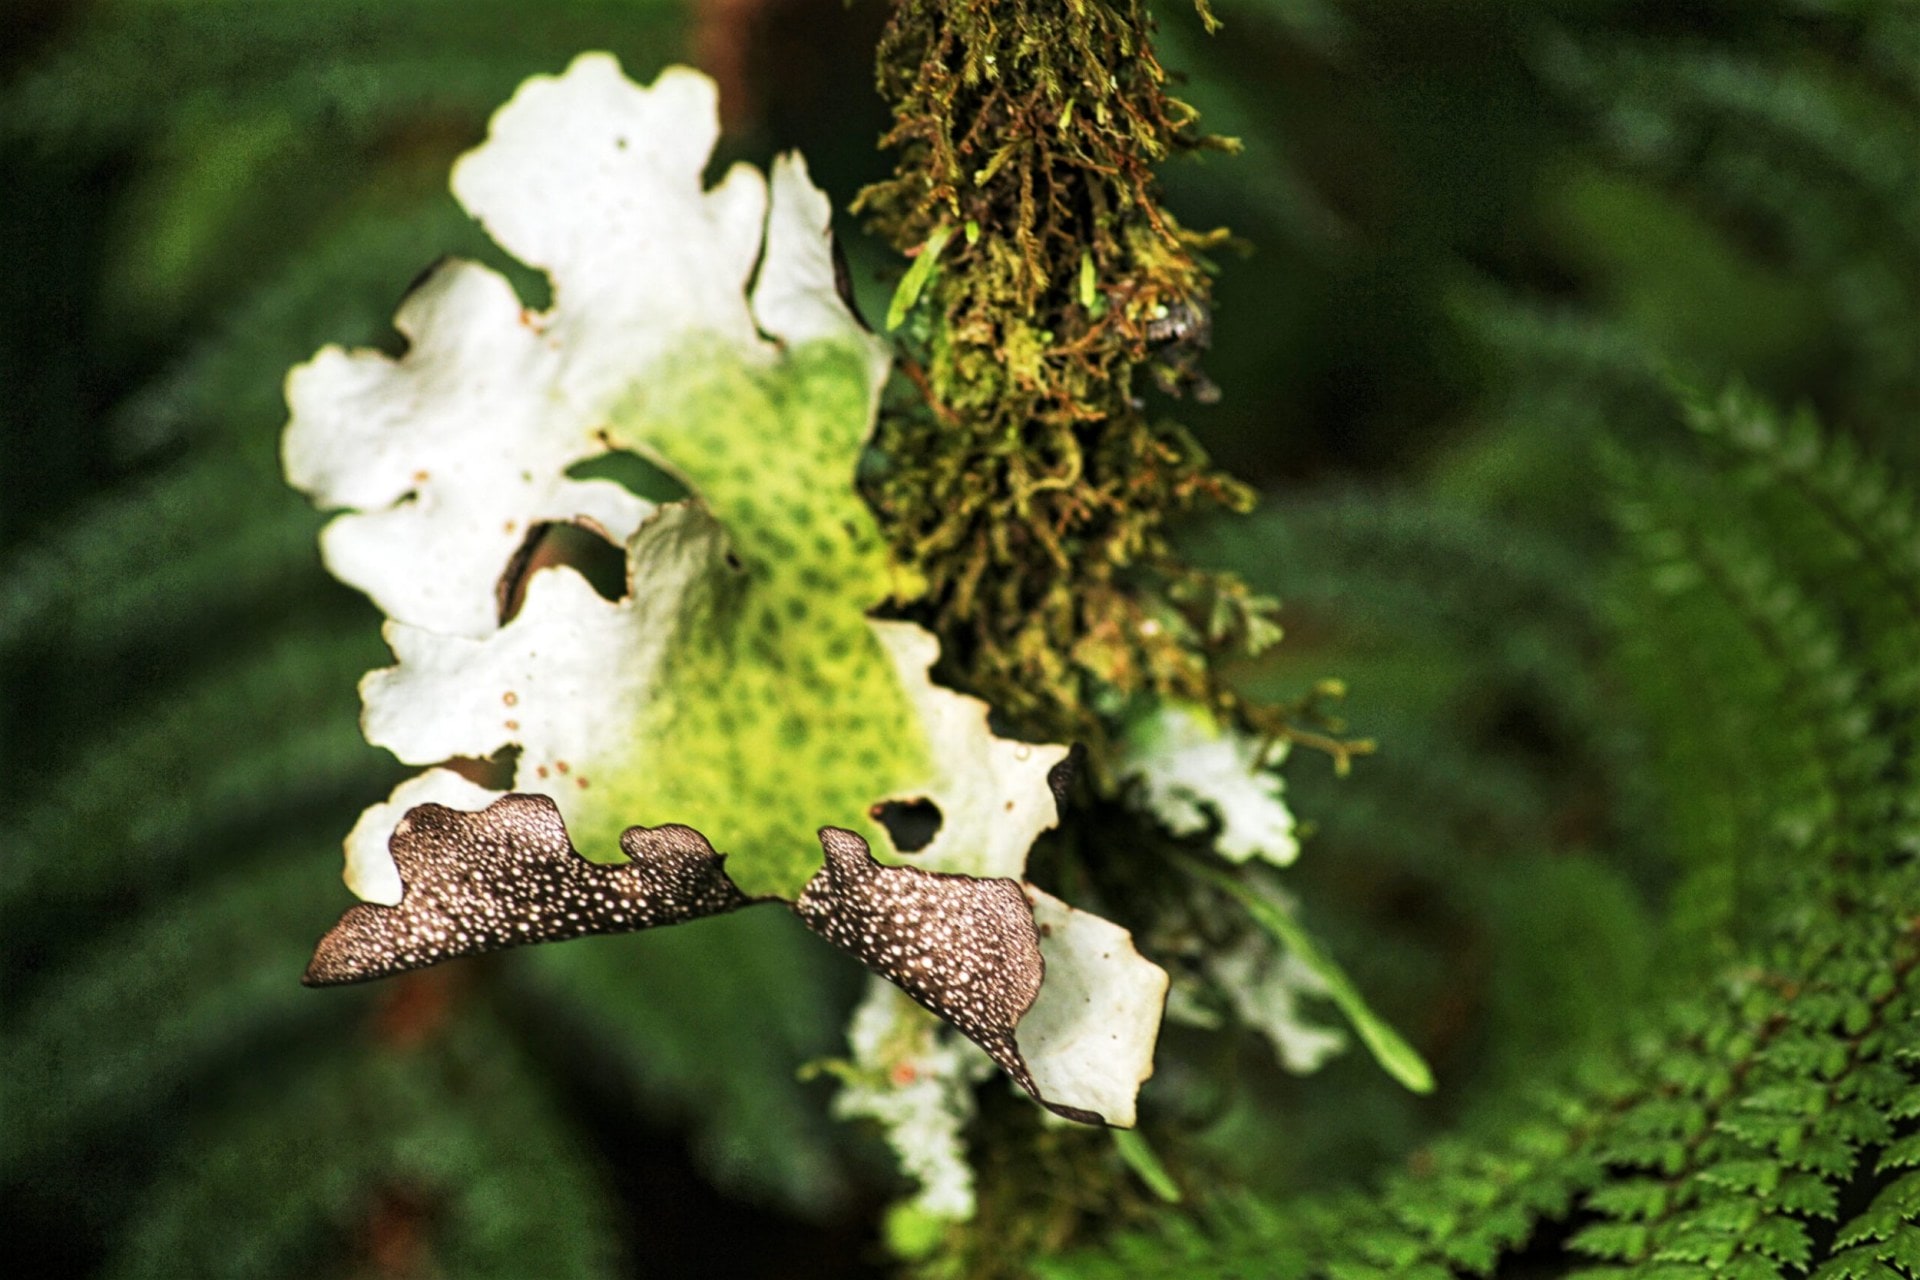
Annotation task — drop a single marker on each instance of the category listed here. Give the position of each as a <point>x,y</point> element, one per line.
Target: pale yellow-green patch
<point>776,710</point>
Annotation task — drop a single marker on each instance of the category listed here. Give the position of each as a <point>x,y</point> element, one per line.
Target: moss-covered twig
<point>1033,490</point>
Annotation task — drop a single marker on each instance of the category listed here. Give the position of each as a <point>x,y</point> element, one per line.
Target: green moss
<point>1029,485</point>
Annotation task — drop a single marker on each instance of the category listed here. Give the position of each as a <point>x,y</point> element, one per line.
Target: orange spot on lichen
<point>904,1073</point>
<point>420,477</point>
<point>510,698</point>
<point>513,724</point>
<point>540,771</point>
<point>563,766</point>
<point>582,782</point>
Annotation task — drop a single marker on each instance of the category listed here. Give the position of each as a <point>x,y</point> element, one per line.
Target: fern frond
<point>1862,517</point>
<point>284,730</point>
<point>350,66</point>
<point>1816,689</point>
<point>1717,1136</point>
<point>419,1154</point>
<point>713,1024</point>
<point>1821,156</point>
<point>1713,1139</point>
<point>191,983</point>
<point>189,530</point>
<point>339,284</point>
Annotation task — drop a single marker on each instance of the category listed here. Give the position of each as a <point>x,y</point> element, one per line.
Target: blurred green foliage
<point>1628,867</point>
<point>1729,1087</point>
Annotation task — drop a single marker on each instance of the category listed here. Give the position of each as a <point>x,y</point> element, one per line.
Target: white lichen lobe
<point>1193,772</point>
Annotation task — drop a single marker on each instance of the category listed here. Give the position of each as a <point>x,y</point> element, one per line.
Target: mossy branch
<point>1029,484</point>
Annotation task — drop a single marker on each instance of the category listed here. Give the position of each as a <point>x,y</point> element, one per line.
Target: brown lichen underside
<point>1032,489</point>
<point>963,946</point>
<point>509,876</point>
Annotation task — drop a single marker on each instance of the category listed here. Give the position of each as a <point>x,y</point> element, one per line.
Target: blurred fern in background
<point>1634,867</point>
<point>1749,1108</point>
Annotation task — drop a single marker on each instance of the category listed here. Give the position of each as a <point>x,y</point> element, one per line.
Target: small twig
<point>917,375</point>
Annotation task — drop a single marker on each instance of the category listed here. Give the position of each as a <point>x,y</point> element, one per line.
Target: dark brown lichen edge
<point>508,876</point>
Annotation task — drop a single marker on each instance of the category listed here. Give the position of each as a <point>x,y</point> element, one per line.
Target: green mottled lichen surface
<point>776,710</point>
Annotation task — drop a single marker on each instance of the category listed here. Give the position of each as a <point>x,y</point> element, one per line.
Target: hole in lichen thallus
<point>495,772</point>
<point>910,824</point>
<point>586,551</point>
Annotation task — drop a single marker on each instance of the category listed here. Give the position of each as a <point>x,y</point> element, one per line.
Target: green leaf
<point>1901,1153</point>
<point>1625,1241</point>
<point>1782,1239</point>
<point>1140,1158</point>
<point>1743,1175</point>
<point>1855,1264</point>
<point>917,276</point>
<point>1400,1059</point>
<point>1631,1198</point>
<point>1747,1266</point>
<point>1807,1195</point>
